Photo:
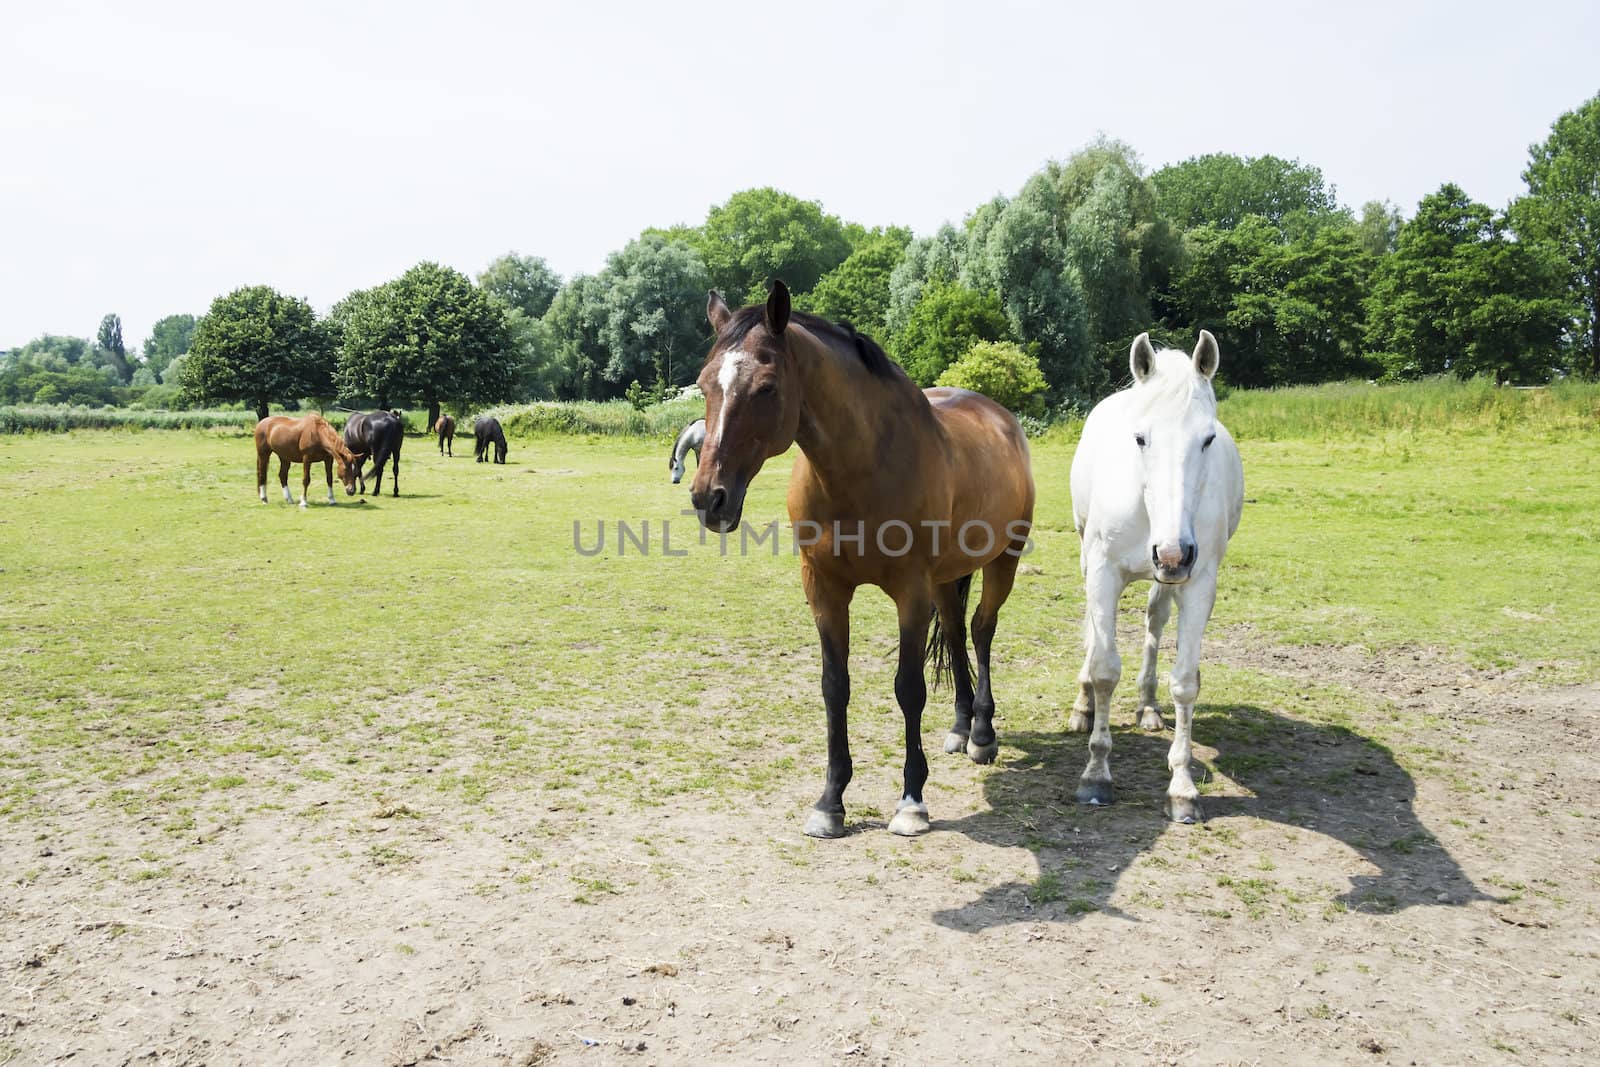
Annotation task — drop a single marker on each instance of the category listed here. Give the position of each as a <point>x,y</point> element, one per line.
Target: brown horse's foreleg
<point>951,602</point>
<point>327,466</point>
<point>998,576</point>
<point>283,480</point>
<point>305,481</point>
<point>830,604</point>
<point>911,691</point>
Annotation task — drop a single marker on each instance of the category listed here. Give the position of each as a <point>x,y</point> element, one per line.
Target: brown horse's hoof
<point>910,820</point>
<point>825,824</point>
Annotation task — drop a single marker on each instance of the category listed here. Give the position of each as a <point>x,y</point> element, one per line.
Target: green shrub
<point>1003,372</point>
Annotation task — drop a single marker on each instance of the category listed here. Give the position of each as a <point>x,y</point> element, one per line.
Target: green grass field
<point>165,633</point>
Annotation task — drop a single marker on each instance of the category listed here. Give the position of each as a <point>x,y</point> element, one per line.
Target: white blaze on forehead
<point>735,364</point>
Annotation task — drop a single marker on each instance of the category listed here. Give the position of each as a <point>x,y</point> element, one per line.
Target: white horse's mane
<point>1173,386</point>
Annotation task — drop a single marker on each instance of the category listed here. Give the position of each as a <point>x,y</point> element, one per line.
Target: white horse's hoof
<point>982,753</point>
<point>1185,810</point>
<point>1150,718</point>
<point>1079,723</point>
<point>1095,794</point>
<point>824,824</point>
<point>910,820</point>
<point>954,742</point>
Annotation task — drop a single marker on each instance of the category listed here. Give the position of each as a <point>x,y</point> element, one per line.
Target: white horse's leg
<point>1197,598</point>
<point>1082,719</point>
<point>1156,614</point>
<point>1104,669</point>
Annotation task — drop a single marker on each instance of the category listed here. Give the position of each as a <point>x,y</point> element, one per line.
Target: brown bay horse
<point>909,490</point>
<point>446,429</point>
<point>308,439</point>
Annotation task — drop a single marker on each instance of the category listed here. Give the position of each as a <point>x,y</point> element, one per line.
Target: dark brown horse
<point>908,490</point>
<point>308,439</point>
<point>446,429</point>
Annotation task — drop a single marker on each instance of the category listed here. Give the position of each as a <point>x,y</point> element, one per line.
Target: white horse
<point>690,440</point>
<point>1157,489</point>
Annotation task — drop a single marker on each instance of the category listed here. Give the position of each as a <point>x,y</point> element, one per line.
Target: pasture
<point>414,780</point>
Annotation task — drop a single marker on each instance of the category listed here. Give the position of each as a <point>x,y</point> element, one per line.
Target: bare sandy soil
<point>1334,908</point>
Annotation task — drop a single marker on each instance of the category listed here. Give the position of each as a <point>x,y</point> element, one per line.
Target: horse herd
<point>915,491</point>
<point>375,435</point>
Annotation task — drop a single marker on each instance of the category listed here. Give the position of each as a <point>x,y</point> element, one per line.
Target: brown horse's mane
<point>840,334</point>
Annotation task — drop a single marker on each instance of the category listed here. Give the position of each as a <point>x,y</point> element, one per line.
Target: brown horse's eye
<point>767,390</point>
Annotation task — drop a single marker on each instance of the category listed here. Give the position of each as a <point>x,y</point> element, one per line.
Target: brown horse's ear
<point>778,308</point>
<point>717,310</point>
<point>1206,355</point>
<point>1141,357</point>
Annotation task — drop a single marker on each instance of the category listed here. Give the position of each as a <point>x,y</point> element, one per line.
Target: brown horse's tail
<point>937,653</point>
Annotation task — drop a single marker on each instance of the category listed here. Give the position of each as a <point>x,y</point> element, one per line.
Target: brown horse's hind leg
<point>950,601</point>
<point>998,576</point>
<point>305,481</point>
<point>263,461</point>
<point>830,604</point>
<point>911,690</point>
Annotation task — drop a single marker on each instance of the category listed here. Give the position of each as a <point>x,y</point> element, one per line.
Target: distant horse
<point>308,439</point>
<point>486,429</point>
<point>690,440</point>
<point>1157,490</point>
<point>446,429</point>
<point>908,490</point>
<point>378,434</point>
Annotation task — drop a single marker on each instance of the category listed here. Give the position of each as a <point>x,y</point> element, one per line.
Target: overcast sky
<point>157,155</point>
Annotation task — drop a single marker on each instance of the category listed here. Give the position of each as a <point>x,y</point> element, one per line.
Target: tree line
<point>1034,296</point>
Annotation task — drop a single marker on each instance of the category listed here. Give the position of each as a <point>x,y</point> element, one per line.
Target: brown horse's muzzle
<point>720,506</point>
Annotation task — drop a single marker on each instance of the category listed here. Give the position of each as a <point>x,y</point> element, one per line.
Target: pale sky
<point>158,155</point>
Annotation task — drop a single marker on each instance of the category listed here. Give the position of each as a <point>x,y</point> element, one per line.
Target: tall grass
<point>1316,412</point>
<point>1448,405</point>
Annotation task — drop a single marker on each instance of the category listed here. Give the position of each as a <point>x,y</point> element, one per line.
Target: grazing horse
<point>308,439</point>
<point>486,430</point>
<point>1157,490</point>
<point>378,434</point>
<point>692,439</point>
<point>446,429</point>
<point>908,490</point>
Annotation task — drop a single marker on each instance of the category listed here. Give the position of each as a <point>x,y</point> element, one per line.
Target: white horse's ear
<point>1142,358</point>
<point>1206,355</point>
<point>717,310</point>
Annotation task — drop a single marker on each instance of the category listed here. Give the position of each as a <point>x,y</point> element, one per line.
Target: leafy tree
<point>426,337</point>
<point>169,338</point>
<point>524,282</point>
<point>55,350</point>
<point>1563,208</point>
<point>256,345</point>
<point>574,320</point>
<point>1459,295</point>
<point>857,290</point>
<point>925,261</point>
<point>1003,372</point>
<point>1221,190</point>
<point>654,324</point>
<point>1023,257</point>
<point>945,324</point>
<point>1283,312</point>
<point>111,349</point>
<point>1379,227</point>
<point>764,233</point>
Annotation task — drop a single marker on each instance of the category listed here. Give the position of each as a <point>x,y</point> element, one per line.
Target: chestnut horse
<point>308,439</point>
<point>446,429</point>
<point>908,490</point>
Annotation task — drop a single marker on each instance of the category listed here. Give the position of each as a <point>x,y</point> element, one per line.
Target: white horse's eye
<point>1207,442</point>
<point>1139,437</point>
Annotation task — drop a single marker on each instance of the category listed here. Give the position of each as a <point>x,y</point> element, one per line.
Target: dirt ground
<point>1334,908</point>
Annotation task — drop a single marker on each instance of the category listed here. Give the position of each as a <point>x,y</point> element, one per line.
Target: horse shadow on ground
<point>1323,779</point>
